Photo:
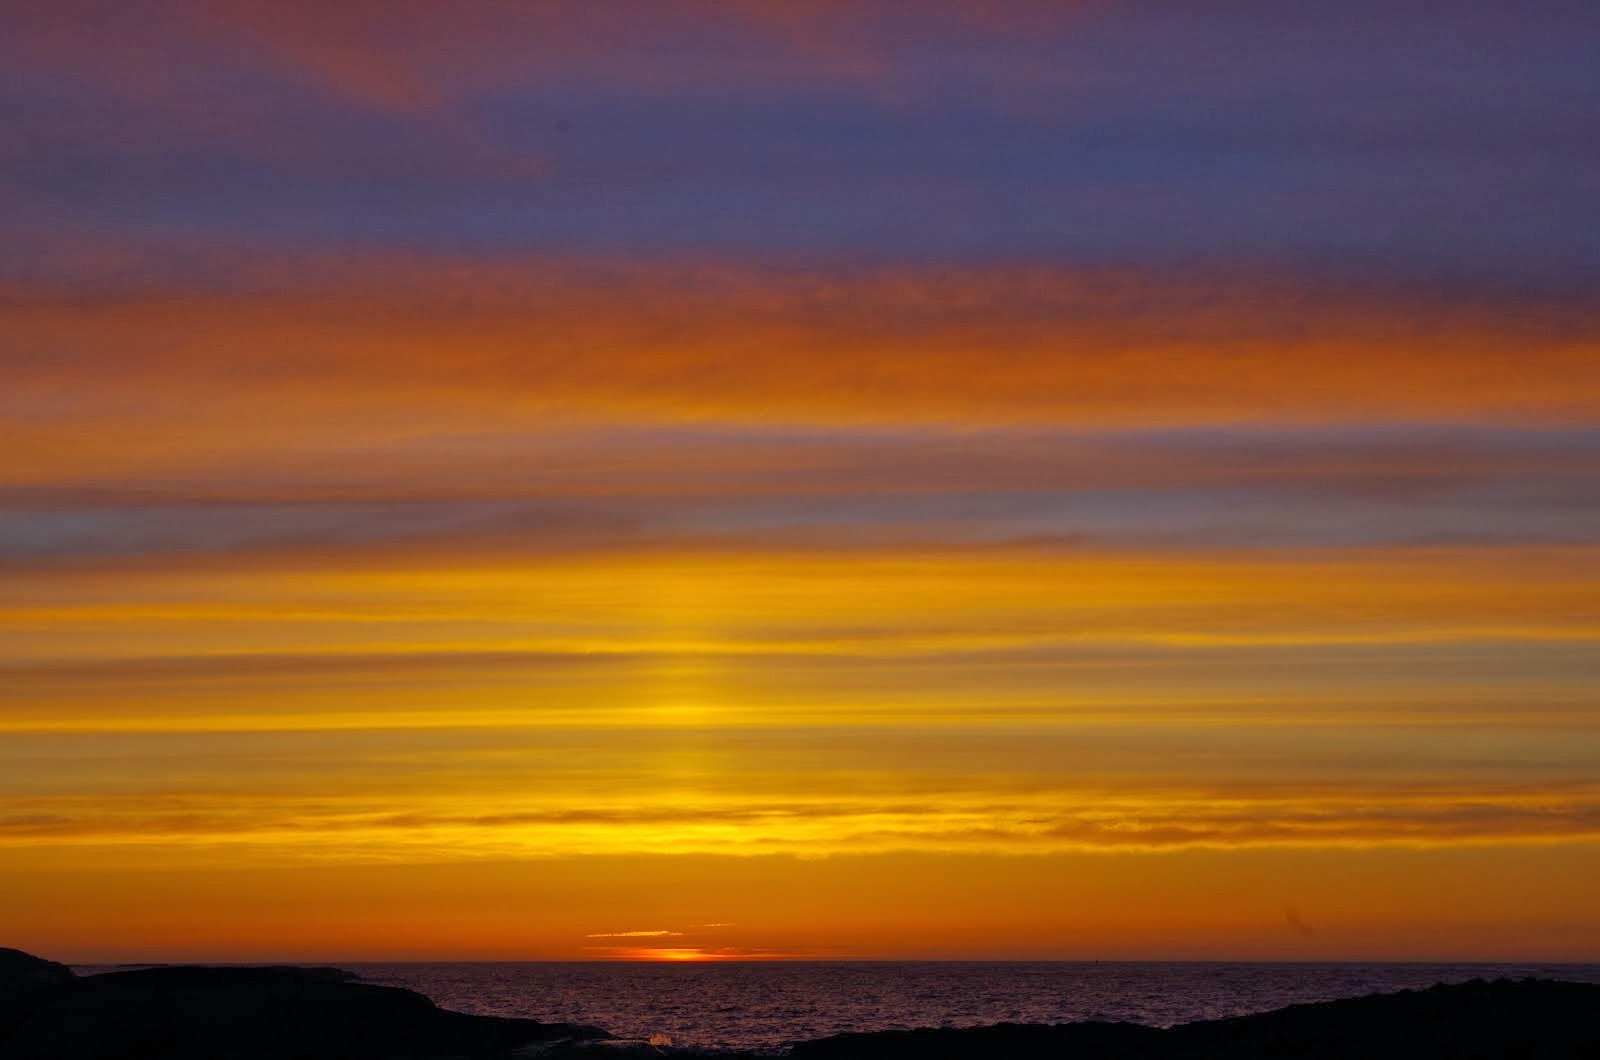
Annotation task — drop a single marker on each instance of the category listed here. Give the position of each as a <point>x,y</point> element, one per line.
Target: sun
<point>675,954</point>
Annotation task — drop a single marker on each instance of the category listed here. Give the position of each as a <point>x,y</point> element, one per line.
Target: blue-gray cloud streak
<point>1396,138</point>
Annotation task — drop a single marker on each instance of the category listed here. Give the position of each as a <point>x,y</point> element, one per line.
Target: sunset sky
<point>502,479</point>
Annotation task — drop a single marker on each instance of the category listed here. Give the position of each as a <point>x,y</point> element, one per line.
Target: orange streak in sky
<point>385,351</point>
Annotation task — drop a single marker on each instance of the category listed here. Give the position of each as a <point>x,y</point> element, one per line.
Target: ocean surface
<point>764,1006</point>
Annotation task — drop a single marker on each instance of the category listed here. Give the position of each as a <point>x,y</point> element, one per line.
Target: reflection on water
<point>762,1006</point>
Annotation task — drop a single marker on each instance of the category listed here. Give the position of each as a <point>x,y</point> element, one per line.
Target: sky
<point>509,479</point>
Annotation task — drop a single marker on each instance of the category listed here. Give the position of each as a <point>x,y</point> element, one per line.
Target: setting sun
<point>672,954</point>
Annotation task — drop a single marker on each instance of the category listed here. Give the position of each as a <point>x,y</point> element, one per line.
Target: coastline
<point>276,1013</point>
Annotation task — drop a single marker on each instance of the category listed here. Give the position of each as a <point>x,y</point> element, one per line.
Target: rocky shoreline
<point>284,1013</point>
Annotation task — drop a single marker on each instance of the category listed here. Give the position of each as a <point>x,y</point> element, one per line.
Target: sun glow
<point>670,954</point>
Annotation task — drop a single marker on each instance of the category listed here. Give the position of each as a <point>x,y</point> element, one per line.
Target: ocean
<point>764,1006</point>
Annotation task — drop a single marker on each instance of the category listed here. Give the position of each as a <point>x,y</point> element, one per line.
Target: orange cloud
<point>1128,813</point>
<point>871,601</point>
<point>339,359</point>
<point>633,934</point>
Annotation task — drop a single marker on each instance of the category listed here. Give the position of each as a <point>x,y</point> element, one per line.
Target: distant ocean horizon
<point>765,1006</point>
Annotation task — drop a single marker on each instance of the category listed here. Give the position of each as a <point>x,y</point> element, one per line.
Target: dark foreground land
<point>230,1013</point>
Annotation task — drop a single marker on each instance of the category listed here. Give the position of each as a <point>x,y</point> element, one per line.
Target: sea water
<point>765,1006</point>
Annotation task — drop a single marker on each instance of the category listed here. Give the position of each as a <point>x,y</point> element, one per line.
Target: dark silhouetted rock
<point>1063,1041</point>
<point>605,1049</point>
<point>24,981</point>
<point>230,1013</point>
<point>1502,1020</point>
<point>196,1013</point>
<point>25,971</point>
<point>1476,1020</point>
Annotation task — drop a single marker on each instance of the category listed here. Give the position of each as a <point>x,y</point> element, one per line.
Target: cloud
<point>1352,817</point>
<point>633,934</point>
<point>413,56</point>
<point>686,488</point>
<point>932,132</point>
<point>389,371</point>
